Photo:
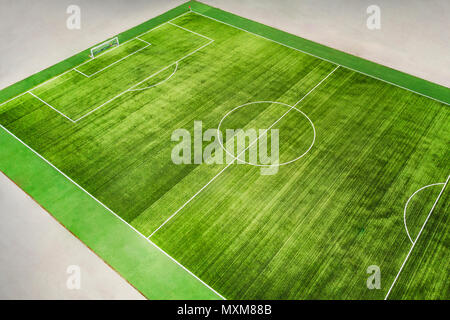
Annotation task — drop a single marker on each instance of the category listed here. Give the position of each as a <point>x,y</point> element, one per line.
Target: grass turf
<point>309,231</point>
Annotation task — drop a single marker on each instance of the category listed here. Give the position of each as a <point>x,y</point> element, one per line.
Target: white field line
<point>198,34</point>
<point>183,14</point>
<point>406,206</point>
<point>228,165</point>
<point>72,69</point>
<point>5,102</point>
<point>130,88</point>
<point>417,239</point>
<point>310,54</point>
<point>316,86</point>
<point>157,84</point>
<point>142,40</point>
<point>112,212</point>
<point>51,107</point>
<point>81,72</point>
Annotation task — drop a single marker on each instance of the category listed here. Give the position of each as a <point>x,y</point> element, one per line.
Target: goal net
<point>95,51</point>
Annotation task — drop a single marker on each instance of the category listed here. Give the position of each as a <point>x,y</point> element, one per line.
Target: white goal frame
<point>112,40</point>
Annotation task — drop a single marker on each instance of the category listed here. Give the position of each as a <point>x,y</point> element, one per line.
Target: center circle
<point>270,102</point>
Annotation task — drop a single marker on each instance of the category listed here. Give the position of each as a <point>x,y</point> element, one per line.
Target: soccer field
<point>364,181</point>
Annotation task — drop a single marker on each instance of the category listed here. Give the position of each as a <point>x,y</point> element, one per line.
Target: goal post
<point>95,51</point>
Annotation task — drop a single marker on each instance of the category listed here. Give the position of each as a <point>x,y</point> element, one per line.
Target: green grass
<point>309,231</point>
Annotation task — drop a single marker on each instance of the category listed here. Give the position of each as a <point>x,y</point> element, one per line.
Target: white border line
<point>406,206</point>
<point>310,54</point>
<point>253,142</point>
<point>417,239</point>
<point>117,216</point>
<point>51,106</point>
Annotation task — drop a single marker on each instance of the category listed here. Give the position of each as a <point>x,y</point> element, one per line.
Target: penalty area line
<point>417,239</point>
<point>186,29</point>
<point>406,207</point>
<point>84,74</point>
<point>50,106</point>
<point>161,82</point>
